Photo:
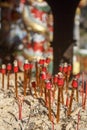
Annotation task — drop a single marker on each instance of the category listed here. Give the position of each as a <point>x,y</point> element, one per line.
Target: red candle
<point>60,84</point>
<point>48,87</point>
<point>43,75</point>
<point>41,61</point>
<point>48,60</point>
<point>15,71</point>
<point>44,68</point>
<point>26,65</point>
<point>3,73</point>
<point>60,67</point>
<point>3,69</point>
<point>65,68</point>
<point>69,67</point>
<point>55,78</point>
<point>60,80</point>
<point>9,67</point>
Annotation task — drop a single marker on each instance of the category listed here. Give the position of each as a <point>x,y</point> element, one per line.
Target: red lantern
<point>48,85</point>
<point>9,67</point>
<point>75,83</point>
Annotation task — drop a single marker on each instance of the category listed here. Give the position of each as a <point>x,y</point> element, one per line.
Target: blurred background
<point>26,31</point>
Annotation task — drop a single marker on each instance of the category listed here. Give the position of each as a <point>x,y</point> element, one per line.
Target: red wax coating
<point>15,69</point>
<point>48,60</point>
<point>60,68</point>
<point>69,67</point>
<point>55,79</point>
<point>9,67</point>
<point>74,83</point>
<point>48,85</point>
<point>41,61</point>
<point>43,75</point>
<point>65,69</point>
<point>26,66</point>
<point>44,69</point>
<point>60,82</point>
<point>3,71</point>
<point>30,66</point>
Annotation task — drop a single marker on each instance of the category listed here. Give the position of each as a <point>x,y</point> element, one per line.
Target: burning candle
<point>3,73</point>
<point>74,86</point>
<point>9,67</point>
<point>16,71</point>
